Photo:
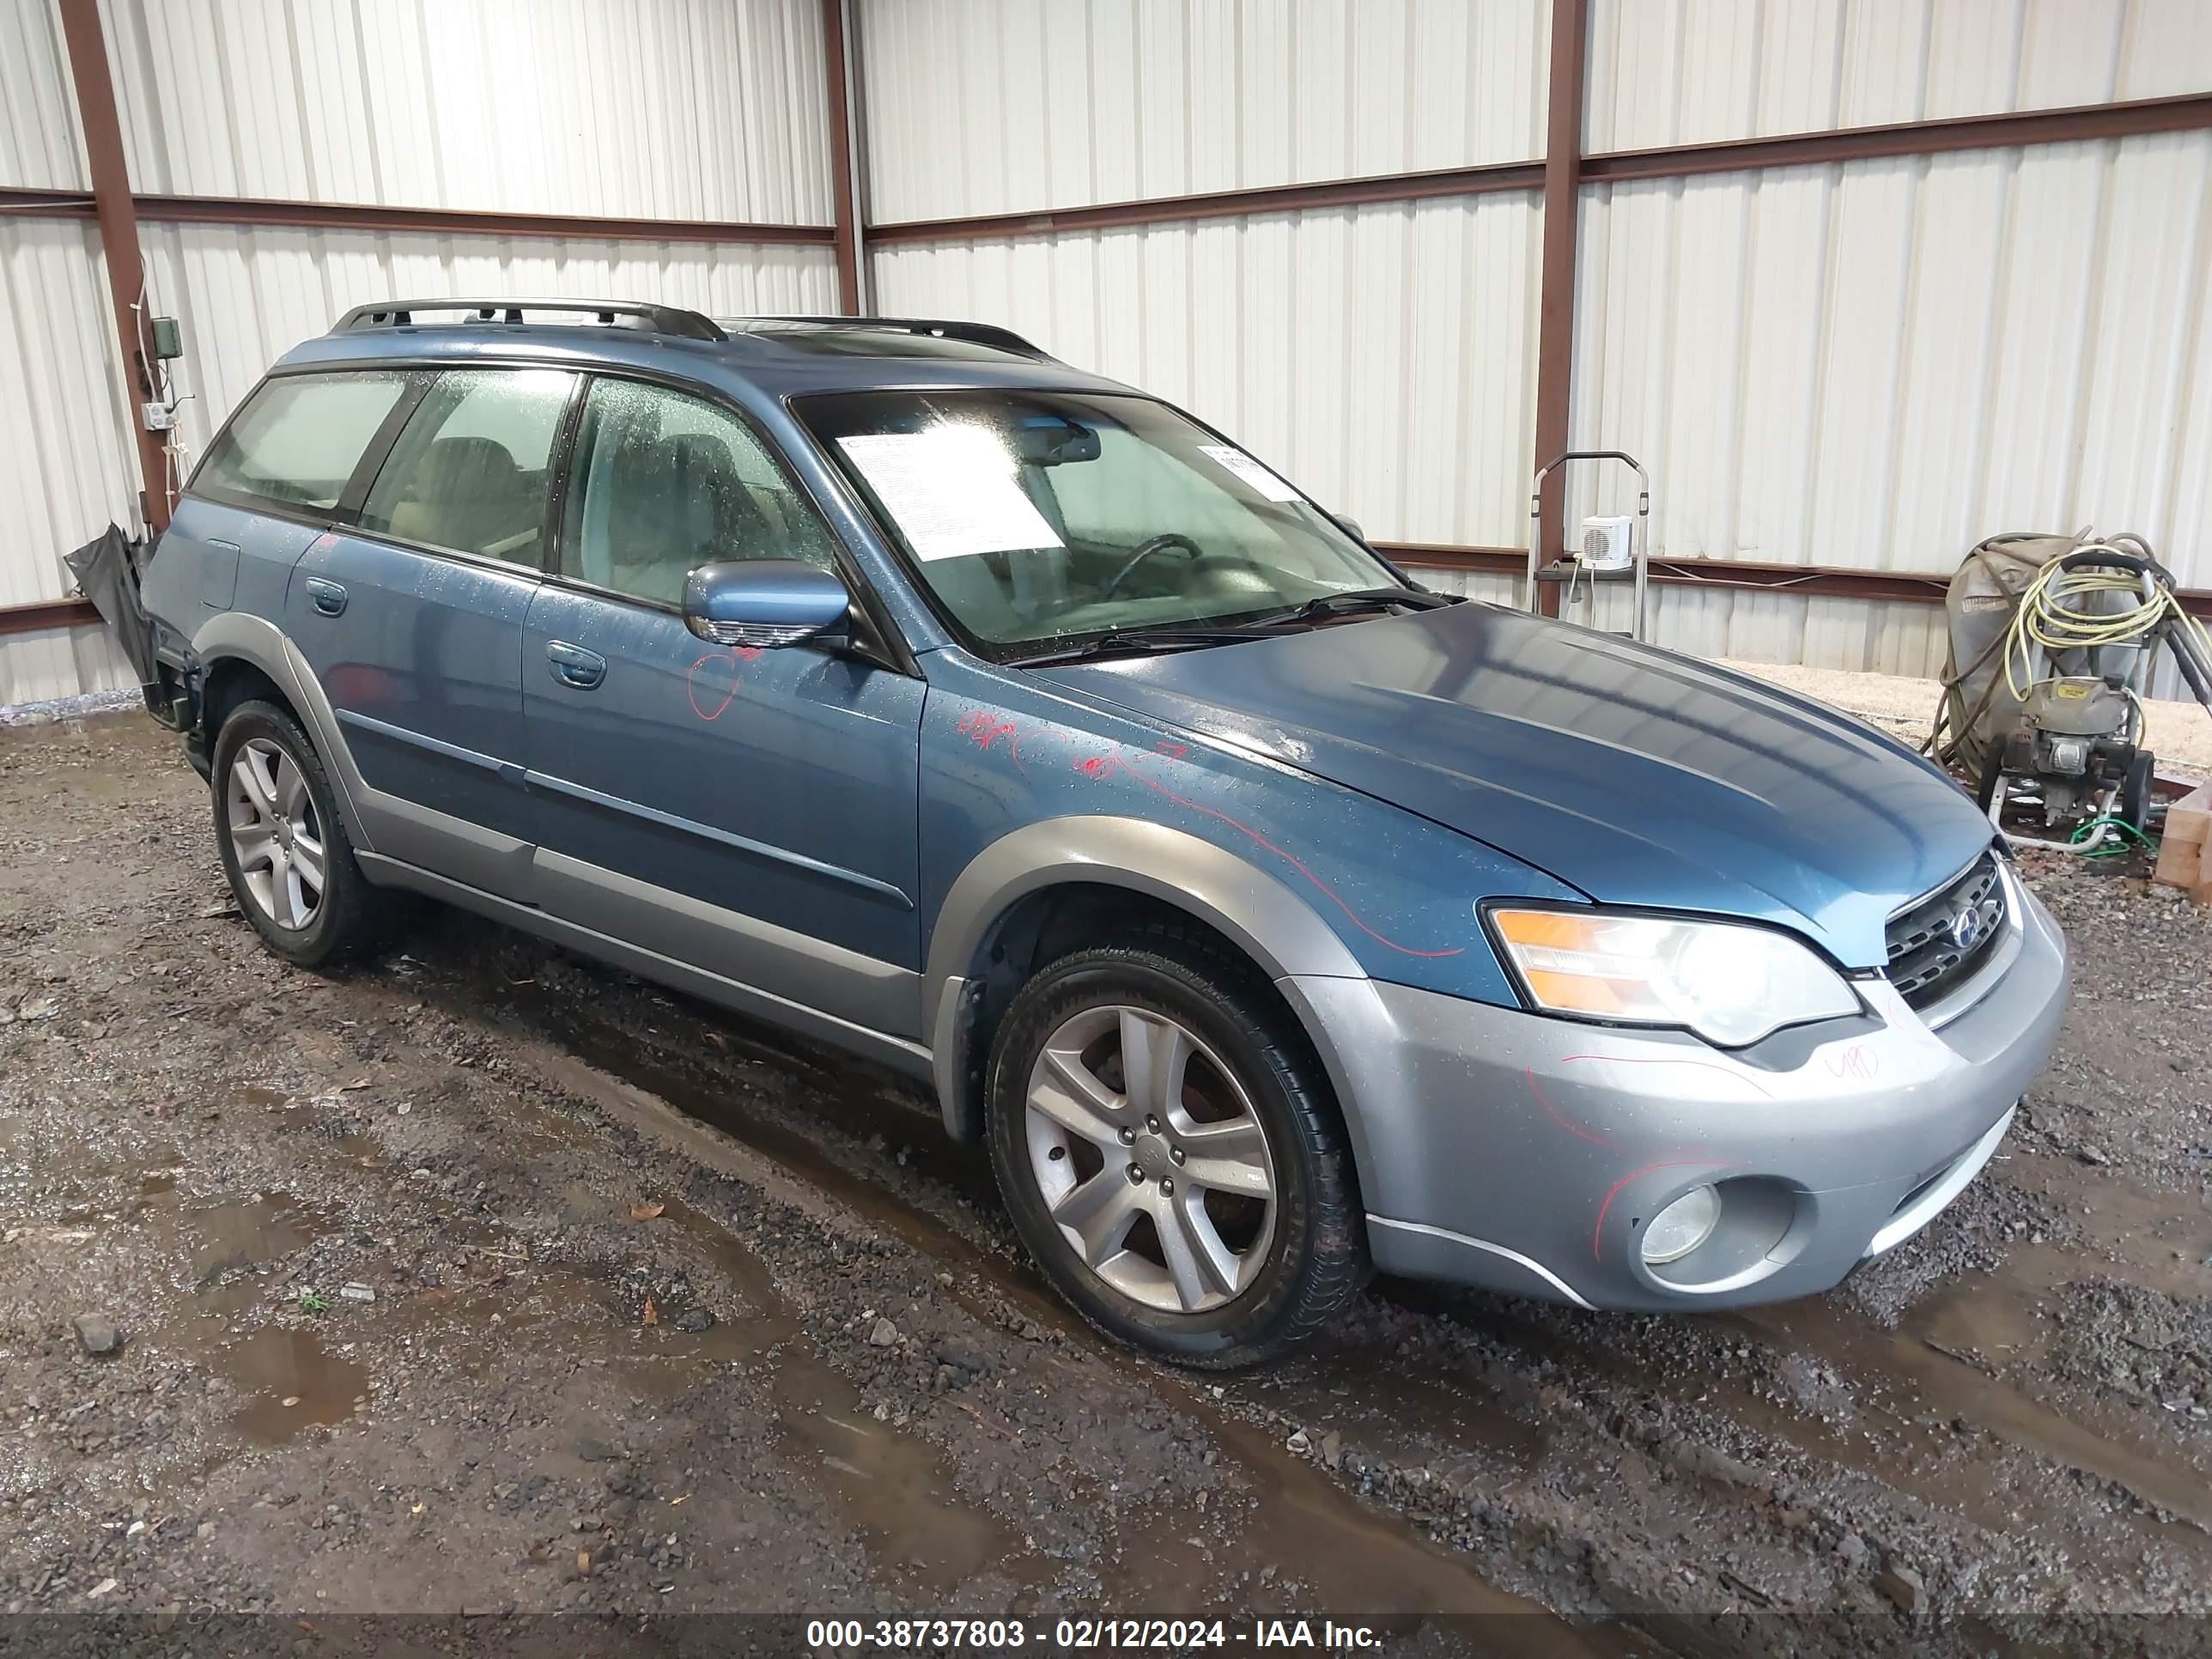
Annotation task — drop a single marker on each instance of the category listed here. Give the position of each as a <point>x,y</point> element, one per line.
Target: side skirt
<point>900,1053</point>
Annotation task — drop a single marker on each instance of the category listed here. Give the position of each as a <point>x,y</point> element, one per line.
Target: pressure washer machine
<point>2053,641</point>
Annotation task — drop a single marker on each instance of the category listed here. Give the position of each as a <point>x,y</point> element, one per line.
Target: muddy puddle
<point>231,1254</point>
<point>229,1238</point>
<point>292,1381</point>
<point>894,1489</point>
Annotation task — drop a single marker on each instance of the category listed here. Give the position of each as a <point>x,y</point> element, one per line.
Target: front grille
<point>1933,945</point>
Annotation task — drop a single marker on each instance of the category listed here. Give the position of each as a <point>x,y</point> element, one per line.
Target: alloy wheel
<point>1150,1159</point>
<point>275,834</point>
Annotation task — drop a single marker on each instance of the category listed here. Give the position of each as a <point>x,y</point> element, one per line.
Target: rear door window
<point>299,438</point>
<point>470,471</point>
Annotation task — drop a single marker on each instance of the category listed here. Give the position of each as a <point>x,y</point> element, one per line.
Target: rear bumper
<point>1506,1149</point>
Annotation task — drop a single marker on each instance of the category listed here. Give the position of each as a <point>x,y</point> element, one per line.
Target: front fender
<point>1027,787</point>
<point>1259,913</point>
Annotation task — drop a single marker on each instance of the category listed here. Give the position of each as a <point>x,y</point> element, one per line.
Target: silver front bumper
<point>1508,1149</point>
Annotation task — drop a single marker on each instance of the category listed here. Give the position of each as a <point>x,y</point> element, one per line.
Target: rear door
<point>412,618</point>
<point>272,482</point>
<point>751,812</point>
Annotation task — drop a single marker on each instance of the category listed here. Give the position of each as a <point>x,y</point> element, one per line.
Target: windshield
<point>1040,519</point>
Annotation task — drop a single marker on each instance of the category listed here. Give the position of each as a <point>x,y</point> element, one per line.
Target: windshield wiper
<point>1362,598</point>
<point>1138,641</point>
<point>1131,642</point>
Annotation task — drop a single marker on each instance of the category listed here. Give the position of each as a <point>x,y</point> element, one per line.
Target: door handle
<point>574,665</point>
<point>329,597</point>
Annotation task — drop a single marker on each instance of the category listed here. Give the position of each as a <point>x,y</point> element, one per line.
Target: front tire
<point>1170,1154</point>
<point>283,845</point>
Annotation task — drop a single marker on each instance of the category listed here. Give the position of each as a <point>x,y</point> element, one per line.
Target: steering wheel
<point>1145,550</point>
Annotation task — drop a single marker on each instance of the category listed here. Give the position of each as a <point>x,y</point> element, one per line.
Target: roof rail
<point>982,334</point>
<point>656,319</point>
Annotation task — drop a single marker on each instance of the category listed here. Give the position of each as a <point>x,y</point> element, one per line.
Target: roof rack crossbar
<point>982,334</point>
<point>658,319</point>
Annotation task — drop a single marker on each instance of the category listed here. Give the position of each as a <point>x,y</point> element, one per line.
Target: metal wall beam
<point>47,203</point>
<point>46,613</point>
<point>87,49</point>
<point>248,210</point>
<point>1555,304</point>
<point>837,53</point>
<point>1807,580</point>
<point>1220,204</point>
<point>1935,137</point>
<point>2134,119</point>
<point>2077,124</point>
<point>463,221</point>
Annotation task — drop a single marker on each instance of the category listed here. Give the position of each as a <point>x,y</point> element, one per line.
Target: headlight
<point>1731,985</point>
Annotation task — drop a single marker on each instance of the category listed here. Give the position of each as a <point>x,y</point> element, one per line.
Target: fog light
<point>1682,1226</point>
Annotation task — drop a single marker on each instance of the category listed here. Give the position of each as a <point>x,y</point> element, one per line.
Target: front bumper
<point>1526,1153</point>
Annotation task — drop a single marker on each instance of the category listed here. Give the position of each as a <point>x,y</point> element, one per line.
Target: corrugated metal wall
<point>1869,365</point>
<point>39,145</point>
<point>999,105</point>
<point>245,296</point>
<point>677,109</point>
<point>65,465</point>
<point>1697,71</point>
<point>1384,357</point>
<point>1877,364</point>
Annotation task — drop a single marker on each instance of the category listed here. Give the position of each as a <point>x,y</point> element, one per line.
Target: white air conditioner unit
<point>1610,543</point>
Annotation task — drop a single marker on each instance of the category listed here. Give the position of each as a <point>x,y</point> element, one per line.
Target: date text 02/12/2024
<point>1085,1635</point>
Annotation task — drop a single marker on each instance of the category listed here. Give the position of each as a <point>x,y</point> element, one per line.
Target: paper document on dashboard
<point>953,491</point>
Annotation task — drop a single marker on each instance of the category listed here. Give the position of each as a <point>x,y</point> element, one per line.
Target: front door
<point>751,813</point>
<point>413,620</point>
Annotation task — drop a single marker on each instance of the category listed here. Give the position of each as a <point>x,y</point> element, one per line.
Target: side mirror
<point>764,602</point>
<point>1350,526</point>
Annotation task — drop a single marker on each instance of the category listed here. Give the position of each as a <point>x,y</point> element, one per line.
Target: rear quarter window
<point>299,437</point>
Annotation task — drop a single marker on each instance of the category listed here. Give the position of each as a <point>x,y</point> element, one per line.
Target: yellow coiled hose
<point>2050,616</point>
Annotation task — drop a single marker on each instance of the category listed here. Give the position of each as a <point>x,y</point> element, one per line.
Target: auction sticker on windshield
<point>1229,459</point>
<point>952,490</point>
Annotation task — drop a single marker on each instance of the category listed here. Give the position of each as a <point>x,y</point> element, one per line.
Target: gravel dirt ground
<point>487,1280</point>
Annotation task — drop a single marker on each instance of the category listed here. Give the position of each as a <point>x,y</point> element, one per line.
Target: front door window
<point>663,483</point>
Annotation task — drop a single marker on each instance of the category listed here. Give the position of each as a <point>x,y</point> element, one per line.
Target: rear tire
<point>284,846</point>
<point>1207,1212</point>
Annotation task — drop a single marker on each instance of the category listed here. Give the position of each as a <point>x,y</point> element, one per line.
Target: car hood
<point>1637,775</point>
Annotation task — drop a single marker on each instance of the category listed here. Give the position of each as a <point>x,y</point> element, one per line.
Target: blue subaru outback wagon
<point>1268,916</point>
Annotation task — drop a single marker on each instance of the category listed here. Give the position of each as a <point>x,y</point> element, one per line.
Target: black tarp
<point>106,571</point>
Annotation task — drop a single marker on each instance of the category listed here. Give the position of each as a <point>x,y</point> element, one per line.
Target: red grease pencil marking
<point>735,656</point>
<point>1104,766</point>
<point>1597,1233</point>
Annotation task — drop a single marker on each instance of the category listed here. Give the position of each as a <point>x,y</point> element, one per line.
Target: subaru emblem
<point>1966,929</point>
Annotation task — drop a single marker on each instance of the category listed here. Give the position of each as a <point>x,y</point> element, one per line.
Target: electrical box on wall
<point>159,417</point>
<point>169,338</point>
<point>1609,543</point>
